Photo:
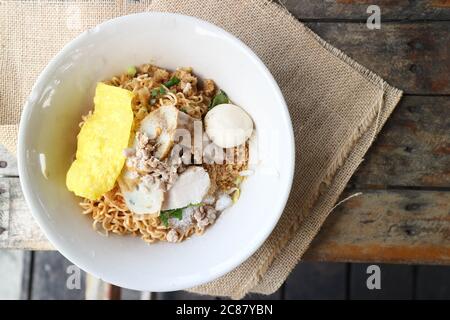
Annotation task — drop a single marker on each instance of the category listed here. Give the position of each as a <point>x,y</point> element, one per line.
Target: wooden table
<point>404,213</point>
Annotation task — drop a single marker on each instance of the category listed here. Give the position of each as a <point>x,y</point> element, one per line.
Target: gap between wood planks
<point>351,10</point>
<point>362,187</point>
<point>349,20</point>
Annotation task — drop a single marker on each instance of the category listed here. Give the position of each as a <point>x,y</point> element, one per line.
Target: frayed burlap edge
<point>9,134</point>
<point>369,127</point>
<point>323,188</point>
<point>335,184</point>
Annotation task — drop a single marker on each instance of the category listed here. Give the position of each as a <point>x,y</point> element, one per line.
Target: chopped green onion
<point>172,82</point>
<point>236,195</point>
<point>131,71</point>
<point>161,90</point>
<point>219,98</point>
<point>164,219</point>
<point>155,92</point>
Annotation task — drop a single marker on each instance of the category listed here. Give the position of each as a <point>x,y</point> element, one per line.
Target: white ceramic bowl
<point>64,91</point>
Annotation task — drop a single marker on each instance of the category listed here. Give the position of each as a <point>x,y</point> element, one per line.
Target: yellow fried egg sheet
<point>104,135</point>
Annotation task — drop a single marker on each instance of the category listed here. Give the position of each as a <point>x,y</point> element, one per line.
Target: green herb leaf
<point>167,214</point>
<point>172,82</point>
<point>131,71</point>
<point>219,98</point>
<point>158,91</point>
<point>164,216</point>
<point>161,90</point>
<point>175,213</point>
<point>178,213</point>
<point>155,92</point>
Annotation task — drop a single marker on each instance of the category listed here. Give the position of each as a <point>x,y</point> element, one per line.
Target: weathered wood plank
<point>402,226</point>
<point>97,289</point>
<point>317,281</point>
<point>50,275</point>
<point>113,292</point>
<point>397,282</point>
<point>8,163</point>
<point>381,225</point>
<point>413,148</point>
<point>127,294</point>
<point>414,57</point>
<point>19,230</point>
<point>356,9</point>
<point>27,274</point>
<point>11,266</point>
<point>5,209</point>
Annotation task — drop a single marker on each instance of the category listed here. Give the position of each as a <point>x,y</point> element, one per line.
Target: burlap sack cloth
<point>337,106</point>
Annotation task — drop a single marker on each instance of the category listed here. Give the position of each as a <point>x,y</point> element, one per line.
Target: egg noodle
<point>110,213</point>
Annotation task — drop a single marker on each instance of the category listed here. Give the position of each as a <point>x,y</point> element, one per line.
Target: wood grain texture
<point>8,163</point>
<point>97,289</point>
<point>21,231</point>
<point>413,148</point>
<point>113,292</point>
<point>413,57</point>
<point>11,268</point>
<point>357,9</point>
<point>127,294</point>
<point>27,275</point>
<point>399,226</point>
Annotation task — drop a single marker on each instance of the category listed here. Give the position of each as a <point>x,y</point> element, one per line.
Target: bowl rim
<point>35,206</point>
